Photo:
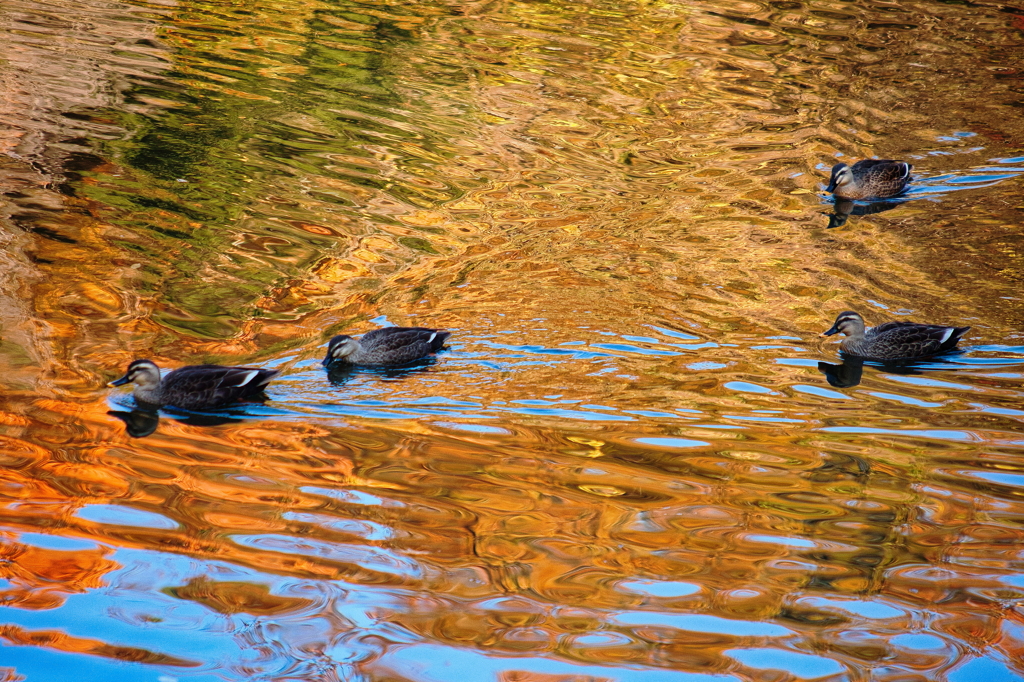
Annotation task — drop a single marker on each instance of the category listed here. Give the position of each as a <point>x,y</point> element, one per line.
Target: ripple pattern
<point>634,461</point>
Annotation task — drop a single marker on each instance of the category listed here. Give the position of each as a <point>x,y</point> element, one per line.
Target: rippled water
<point>636,460</point>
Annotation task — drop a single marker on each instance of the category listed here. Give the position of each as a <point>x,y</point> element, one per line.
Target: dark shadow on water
<point>140,423</point>
<point>340,373</point>
<point>844,208</point>
<point>851,370</point>
<point>845,375</point>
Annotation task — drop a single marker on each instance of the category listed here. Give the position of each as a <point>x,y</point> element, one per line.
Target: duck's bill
<point>831,186</point>
<point>119,382</point>
<point>327,361</point>
<point>830,332</point>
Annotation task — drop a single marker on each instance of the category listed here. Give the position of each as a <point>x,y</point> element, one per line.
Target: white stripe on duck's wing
<point>249,377</point>
<point>439,339</point>
<point>259,377</point>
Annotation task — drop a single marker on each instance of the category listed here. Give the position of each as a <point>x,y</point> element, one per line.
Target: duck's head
<point>848,323</point>
<point>841,175</point>
<point>144,373</point>
<point>340,346</point>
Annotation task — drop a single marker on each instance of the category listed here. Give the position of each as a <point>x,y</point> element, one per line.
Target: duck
<point>893,340</point>
<point>869,179</point>
<point>195,387</point>
<point>386,346</point>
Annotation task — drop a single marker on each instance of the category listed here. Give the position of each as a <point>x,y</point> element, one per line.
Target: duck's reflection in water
<point>845,375</point>
<point>844,208</point>
<point>851,370</point>
<point>341,372</point>
<point>140,423</point>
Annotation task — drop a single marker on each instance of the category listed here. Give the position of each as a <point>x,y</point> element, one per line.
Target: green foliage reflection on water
<point>267,112</point>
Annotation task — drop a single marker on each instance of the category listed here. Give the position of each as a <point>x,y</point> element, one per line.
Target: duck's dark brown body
<point>209,386</point>
<point>387,346</point>
<point>869,179</point>
<point>196,387</point>
<point>894,340</point>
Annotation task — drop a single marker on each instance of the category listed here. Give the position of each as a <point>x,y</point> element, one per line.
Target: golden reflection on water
<point>630,463</point>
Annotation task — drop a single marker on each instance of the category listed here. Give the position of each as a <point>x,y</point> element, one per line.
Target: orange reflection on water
<point>62,642</point>
<point>41,578</point>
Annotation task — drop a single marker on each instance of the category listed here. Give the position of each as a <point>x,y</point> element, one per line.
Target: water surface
<point>636,460</point>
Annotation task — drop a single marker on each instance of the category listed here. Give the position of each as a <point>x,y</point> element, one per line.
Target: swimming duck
<point>869,179</point>
<point>387,346</point>
<point>893,340</point>
<point>196,387</point>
